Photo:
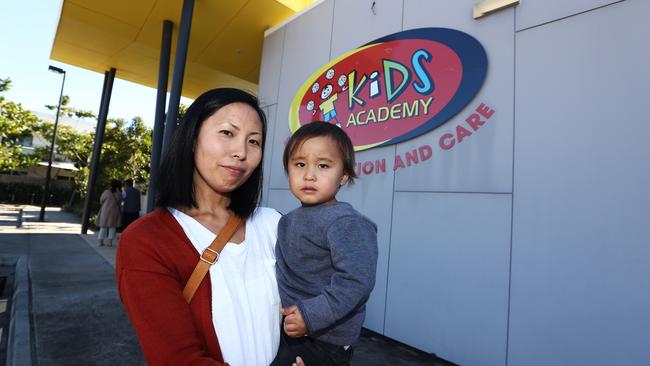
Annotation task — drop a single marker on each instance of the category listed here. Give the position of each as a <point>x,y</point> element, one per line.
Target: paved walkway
<point>77,316</point>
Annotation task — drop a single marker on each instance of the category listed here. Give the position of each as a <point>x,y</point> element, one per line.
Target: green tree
<point>126,152</point>
<point>70,112</point>
<point>126,149</point>
<point>71,145</point>
<point>5,84</point>
<point>15,125</point>
<point>182,109</point>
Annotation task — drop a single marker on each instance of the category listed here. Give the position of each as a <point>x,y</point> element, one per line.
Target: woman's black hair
<point>176,182</point>
<point>115,185</point>
<point>317,129</point>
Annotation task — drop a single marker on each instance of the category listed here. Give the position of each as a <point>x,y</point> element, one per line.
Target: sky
<point>26,38</point>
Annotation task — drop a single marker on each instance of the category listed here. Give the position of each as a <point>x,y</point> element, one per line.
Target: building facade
<point>525,242</point>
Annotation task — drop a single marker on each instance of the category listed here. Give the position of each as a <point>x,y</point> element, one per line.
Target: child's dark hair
<point>317,129</point>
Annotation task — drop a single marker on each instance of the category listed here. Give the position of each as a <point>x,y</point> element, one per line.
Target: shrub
<point>23,193</point>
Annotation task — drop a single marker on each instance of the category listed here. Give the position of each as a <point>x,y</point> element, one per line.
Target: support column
<point>159,122</point>
<point>109,77</point>
<point>179,70</point>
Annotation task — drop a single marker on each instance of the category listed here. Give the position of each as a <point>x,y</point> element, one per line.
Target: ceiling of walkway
<point>225,45</point>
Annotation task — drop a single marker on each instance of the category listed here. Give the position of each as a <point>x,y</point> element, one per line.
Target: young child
<point>326,252</point>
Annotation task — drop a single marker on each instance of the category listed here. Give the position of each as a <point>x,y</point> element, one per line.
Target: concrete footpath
<point>76,315</point>
<point>77,318</point>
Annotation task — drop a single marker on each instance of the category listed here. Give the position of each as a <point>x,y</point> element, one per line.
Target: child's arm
<point>353,247</point>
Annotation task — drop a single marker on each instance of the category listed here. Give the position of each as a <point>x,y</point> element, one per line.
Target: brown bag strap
<point>210,256</point>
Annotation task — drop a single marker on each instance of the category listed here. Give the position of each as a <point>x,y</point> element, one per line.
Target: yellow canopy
<point>225,44</point>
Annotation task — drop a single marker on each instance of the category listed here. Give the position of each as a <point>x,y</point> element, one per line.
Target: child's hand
<point>299,362</point>
<point>294,324</point>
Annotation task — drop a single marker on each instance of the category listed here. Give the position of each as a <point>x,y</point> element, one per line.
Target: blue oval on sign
<point>394,88</point>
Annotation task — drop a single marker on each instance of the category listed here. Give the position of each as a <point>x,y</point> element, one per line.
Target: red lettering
<point>474,121</point>
<point>425,152</point>
<point>485,111</point>
<point>398,163</point>
<point>411,157</point>
<point>367,168</point>
<point>380,165</point>
<point>461,133</point>
<point>443,141</point>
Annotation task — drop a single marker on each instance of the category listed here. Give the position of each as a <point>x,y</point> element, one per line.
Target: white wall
<point>524,244</point>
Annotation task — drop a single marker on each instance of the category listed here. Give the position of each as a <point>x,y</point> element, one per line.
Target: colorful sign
<point>394,88</point>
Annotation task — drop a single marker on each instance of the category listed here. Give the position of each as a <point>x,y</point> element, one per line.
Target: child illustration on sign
<point>327,107</point>
<point>310,107</point>
<point>342,80</point>
<point>329,89</point>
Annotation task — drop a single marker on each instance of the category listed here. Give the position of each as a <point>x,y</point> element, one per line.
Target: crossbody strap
<point>115,200</point>
<point>210,256</point>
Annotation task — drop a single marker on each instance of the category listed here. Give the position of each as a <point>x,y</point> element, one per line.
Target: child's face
<point>326,92</point>
<point>316,171</point>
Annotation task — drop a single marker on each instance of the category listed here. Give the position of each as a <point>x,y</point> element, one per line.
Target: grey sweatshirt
<point>326,263</point>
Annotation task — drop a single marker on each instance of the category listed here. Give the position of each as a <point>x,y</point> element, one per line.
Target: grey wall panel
<point>581,260</point>
<point>270,67</point>
<point>534,12</point>
<point>448,279</point>
<point>372,195</point>
<point>482,162</point>
<point>357,22</point>
<point>282,200</point>
<point>270,112</point>
<point>306,49</point>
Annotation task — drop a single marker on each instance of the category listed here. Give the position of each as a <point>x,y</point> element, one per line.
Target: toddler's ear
<point>344,179</point>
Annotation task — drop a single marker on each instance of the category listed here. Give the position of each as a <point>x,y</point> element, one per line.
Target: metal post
<point>159,122</point>
<point>19,221</point>
<point>46,189</point>
<point>109,76</point>
<point>179,70</point>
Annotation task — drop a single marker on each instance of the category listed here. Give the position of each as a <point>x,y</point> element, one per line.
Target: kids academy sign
<point>396,88</point>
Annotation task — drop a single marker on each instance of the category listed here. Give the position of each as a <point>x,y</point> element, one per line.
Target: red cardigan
<point>154,261</point>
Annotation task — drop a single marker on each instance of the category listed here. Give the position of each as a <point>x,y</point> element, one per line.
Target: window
<point>26,141</point>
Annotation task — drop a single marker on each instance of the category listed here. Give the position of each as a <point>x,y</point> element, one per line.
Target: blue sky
<point>26,38</point>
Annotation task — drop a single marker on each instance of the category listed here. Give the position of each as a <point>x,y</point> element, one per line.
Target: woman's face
<point>228,148</point>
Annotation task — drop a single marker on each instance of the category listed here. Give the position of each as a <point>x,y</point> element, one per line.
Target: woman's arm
<point>152,297</point>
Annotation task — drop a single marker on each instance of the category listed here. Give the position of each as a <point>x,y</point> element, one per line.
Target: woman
<point>109,215</point>
<point>213,169</point>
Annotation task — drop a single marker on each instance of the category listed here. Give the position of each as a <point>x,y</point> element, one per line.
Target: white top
<point>245,299</point>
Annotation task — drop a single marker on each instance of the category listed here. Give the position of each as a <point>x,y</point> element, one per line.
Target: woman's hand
<point>299,362</point>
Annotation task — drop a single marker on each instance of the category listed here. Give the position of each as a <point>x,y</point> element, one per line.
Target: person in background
<point>108,218</point>
<point>326,252</point>
<point>130,203</point>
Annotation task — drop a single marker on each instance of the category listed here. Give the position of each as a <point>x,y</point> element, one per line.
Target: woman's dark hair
<point>316,129</point>
<point>176,182</point>
<point>115,185</point>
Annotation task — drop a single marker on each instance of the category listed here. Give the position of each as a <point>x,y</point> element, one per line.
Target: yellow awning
<point>225,45</point>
